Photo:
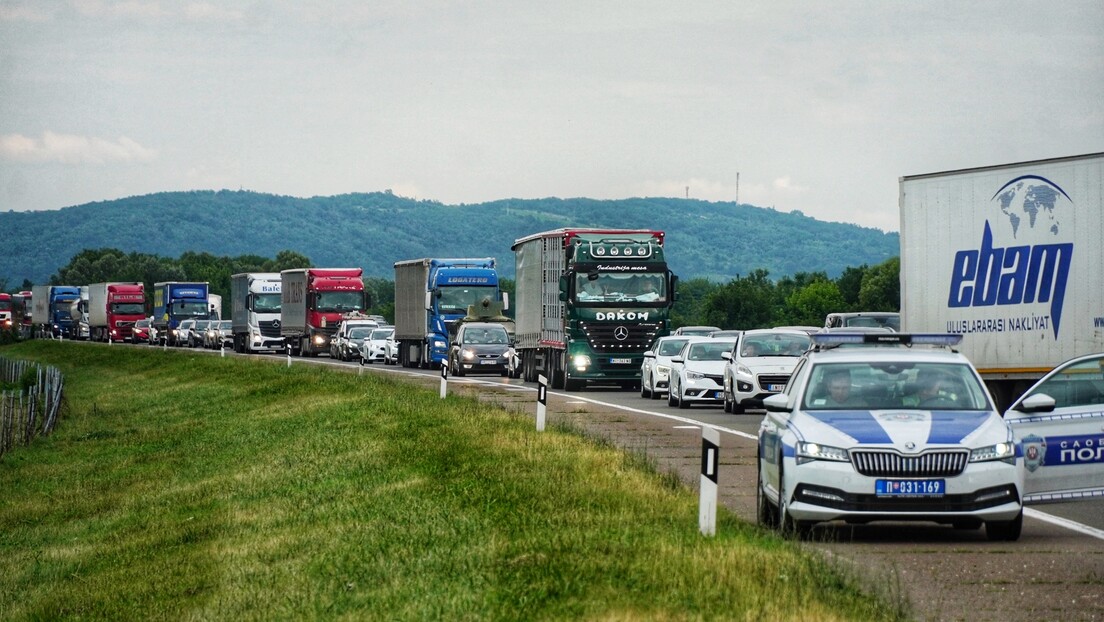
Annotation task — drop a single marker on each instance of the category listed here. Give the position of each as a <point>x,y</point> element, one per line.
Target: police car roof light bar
<point>933,339</point>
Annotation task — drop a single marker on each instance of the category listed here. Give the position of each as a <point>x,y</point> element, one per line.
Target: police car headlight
<point>1005,452</point>
<point>807,452</point>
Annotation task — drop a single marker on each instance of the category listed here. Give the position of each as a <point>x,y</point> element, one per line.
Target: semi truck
<point>21,313</point>
<point>6,306</point>
<point>1009,256</point>
<point>51,310</point>
<point>174,302</point>
<point>431,294</point>
<point>589,303</point>
<point>113,308</point>
<point>255,312</point>
<point>313,302</point>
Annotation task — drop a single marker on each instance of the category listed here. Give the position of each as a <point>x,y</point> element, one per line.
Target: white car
<point>391,351</point>
<point>696,372</point>
<point>760,365</point>
<point>345,345</point>
<point>655,371</point>
<point>374,348</point>
<point>864,434</point>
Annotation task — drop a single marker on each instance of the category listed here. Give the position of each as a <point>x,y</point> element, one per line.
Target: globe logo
<point>1034,201</point>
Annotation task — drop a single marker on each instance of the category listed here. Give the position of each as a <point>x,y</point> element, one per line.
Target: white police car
<point>908,434</point>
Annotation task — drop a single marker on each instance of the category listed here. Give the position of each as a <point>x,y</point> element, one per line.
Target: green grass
<point>185,486</point>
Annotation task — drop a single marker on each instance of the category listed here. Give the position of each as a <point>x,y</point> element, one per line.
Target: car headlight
<point>663,370</point>
<point>694,375</point>
<point>743,369</point>
<point>807,452</point>
<point>467,354</point>
<point>1005,452</point>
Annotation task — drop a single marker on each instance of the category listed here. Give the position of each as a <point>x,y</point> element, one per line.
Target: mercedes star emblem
<point>620,333</point>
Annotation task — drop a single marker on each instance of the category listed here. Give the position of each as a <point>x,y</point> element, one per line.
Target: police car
<point>909,433</point>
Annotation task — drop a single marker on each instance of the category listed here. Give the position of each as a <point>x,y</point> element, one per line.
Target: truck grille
<point>270,329</point>
<point>765,380</point>
<point>619,338</point>
<point>892,464</point>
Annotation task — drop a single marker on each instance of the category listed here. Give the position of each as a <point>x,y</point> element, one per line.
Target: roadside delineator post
<point>707,513</point>
<point>289,354</point>
<point>222,347</point>
<point>542,401</point>
<point>444,380</point>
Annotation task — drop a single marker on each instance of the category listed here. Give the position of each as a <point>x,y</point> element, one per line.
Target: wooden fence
<point>28,411</point>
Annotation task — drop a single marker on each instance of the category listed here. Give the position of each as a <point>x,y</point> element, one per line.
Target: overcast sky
<point>817,106</point>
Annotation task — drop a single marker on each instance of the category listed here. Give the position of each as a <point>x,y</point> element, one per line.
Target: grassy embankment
<point>182,485</point>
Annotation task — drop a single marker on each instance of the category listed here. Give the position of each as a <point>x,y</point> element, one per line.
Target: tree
<point>809,305</point>
<point>288,260</point>
<point>881,287</point>
<point>746,302</point>
<point>849,284</point>
<point>689,298</point>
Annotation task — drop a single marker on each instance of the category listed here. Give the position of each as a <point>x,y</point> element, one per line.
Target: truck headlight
<point>1005,452</point>
<point>580,362</point>
<point>319,340</point>
<point>807,452</point>
<point>437,343</point>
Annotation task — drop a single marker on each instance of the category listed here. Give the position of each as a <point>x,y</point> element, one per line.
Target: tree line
<point>748,301</point>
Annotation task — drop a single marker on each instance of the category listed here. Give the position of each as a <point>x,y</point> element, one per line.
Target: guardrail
<point>32,409</point>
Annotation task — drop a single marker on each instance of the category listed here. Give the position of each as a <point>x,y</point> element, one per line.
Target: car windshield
<point>774,344</point>
<point>142,323</point>
<point>485,335</point>
<point>225,325</point>
<point>892,322</point>
<point>899,384</point>
<point>708,350</point>
<point>382,333</point>
<point>671,347</point>
<point>360,333</point>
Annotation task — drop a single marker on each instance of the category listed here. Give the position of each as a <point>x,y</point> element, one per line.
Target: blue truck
<point>51,310</point>
<point>174,302</point>
<point>431,295</point>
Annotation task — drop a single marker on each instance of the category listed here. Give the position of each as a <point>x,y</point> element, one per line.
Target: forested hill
<point>714,240</point>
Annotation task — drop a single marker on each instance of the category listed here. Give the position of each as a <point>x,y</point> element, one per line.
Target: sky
<point>818,107</point>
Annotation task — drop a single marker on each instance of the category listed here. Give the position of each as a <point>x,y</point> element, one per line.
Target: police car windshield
<point>894,385</point>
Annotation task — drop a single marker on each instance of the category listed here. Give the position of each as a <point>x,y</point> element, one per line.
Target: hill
<point>715,240</point>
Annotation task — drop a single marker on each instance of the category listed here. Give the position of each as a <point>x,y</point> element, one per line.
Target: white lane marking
<point>1065,522</point>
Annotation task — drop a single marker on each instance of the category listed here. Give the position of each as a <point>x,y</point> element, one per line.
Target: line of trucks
<point>1010,256</point>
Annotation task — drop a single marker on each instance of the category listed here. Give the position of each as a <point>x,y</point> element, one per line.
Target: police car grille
<point>891,464</point>
<point>766,380</point>
<point>602,337</point>
<point>269,329</point>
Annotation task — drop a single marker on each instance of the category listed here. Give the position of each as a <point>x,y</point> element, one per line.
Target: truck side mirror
<point>429,301</point>
<point>505,301</point>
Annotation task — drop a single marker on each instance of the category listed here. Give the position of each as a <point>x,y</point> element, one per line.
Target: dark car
<point>479,348</point>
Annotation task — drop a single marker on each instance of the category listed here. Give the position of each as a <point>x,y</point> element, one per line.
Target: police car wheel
<point>1005,531</point>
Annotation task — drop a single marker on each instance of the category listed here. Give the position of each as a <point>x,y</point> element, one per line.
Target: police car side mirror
<point>1037,403</point>
<point>777,403</point>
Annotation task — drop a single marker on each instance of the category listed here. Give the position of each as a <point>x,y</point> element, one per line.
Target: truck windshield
<point>5,305</point>
<point>266,303</point>
<point>620,288</point>
<point>128,308</point>
<point>62,310</point>
<point>457,299</point>
<point>190,309</point>
<point>330,302</point>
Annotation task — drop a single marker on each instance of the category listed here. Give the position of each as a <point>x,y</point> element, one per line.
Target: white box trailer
<point>1010,256</point>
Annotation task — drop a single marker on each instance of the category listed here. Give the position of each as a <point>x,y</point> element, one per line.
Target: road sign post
<point>444,380</point>
<point>542,401</point>
<point>707,514</point>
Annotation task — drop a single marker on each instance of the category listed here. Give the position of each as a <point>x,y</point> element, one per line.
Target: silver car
<point>655,371</point>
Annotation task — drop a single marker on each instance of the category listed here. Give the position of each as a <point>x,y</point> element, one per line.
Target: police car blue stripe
<point>951,426</point>
<point>858,424</point>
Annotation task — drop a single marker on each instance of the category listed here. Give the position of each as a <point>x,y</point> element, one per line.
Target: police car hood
<point>899,428</point>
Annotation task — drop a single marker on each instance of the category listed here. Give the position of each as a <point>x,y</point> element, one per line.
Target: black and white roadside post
<point>707,514</point>
<point>222,347</point>
<point>542,401</point>
<point>444,380</point>
<point>289,353</point>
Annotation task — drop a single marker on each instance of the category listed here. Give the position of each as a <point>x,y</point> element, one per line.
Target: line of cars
<point>191,333</point>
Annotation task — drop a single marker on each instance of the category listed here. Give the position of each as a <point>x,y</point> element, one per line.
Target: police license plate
<point>910,487</point>
<point>620,361</point>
